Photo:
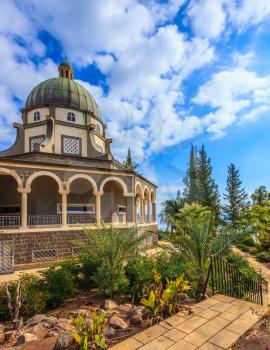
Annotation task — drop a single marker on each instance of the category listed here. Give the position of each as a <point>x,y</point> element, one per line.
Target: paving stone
<point>218,323</point>
<point>223,297</point>
<point>150,334</point>
<point>209,314</point>
<point>207,330</point>
<point>208,303</point>
<point>209,346</point>
<point>221,306</point>
<point>160,343</point>
<point>182,345</point>
<point>240,326</point>
<point>191,324</point>
<point>224,339</point>
<point>228,316</point>
<point>128,344</point>
<point>172,321</point>
<point>238,310</point>
<point>185,314</point>
<point>250,316</point>
<point>196,338</point>
<point>196,309</point>
<point>174,334</point>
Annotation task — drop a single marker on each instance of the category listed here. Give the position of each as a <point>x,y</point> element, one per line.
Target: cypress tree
<point>191,191</point>
<point>259,195</point>
<point>208,189</point>
<point>235,196</point>
<point>128,162</point>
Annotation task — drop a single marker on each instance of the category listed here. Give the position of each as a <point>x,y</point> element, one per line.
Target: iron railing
<point>44,220</point>
<point>74,219</point>
<point>10,221</point>
<point>6,256</point>
<point>225,279</point>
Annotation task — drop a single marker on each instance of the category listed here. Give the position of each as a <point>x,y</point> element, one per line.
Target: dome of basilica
<point>63,91</point>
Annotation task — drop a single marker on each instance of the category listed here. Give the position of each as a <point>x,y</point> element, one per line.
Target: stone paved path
<point>265,272</point>
<point>216,324</point>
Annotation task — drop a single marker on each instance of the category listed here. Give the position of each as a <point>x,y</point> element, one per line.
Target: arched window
<point>98,127</point>
<point>71,117</point>
<point>36,116</point>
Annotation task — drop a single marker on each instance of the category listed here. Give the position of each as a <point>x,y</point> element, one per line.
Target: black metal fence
<point>225,279</point>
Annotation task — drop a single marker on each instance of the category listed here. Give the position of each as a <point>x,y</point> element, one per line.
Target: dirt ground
<point>257,338</point>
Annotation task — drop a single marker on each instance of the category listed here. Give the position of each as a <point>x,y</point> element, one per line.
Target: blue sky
<point>165,74</point>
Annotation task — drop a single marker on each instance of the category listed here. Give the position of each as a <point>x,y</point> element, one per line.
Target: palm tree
<point>170,208</point>
<point>197,241</point>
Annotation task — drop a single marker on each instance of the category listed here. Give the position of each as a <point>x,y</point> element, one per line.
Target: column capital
<point>98,193</point>
<point>24,190</point>
<point>63,191</point>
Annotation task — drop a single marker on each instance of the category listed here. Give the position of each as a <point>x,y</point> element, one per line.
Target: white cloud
<point>235,95</point>
<point>208,17</point>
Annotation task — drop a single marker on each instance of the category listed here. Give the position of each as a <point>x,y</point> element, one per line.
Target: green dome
<point>63,92</point>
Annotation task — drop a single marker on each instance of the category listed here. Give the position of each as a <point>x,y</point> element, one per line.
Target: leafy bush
<point>59,284</point>
<point>242,247</point>
<point>263,257</point>
<point>253,251</point>
<point>33,297</point>
<point>172,265</point>
<point>111,249</point>
<point>242,265</point>
<point>248,241</point>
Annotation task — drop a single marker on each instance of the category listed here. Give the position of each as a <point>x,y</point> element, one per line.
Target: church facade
<point>60,176</point>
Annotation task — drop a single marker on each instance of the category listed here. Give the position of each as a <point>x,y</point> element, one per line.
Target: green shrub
<point>263,257</point>
<point>172,266</point>
<point>253,251</point>
<point>248,241</point>
<point>59,284</point>
<point>110,250</point>
<point>139,274</point>
<point>242,265</point>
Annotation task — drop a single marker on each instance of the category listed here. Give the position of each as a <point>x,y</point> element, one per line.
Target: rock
<point>40,330</point>
<point>46,344</point>
<point>64,340</point>
<point>125,308</point>
<point>2,334</point>
<point>109,332</point>
<point>118,323</point>
<point>109,304</point>
<point>138,310</point>
<point>26,338</point>
<point>36,319</point>
<point>136,320</point>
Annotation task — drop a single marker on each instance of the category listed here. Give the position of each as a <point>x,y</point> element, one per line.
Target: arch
<point>138,184</point>
<point>116,179</point>
<point>152,196</point>
<point>43,173</point>
<point>82,176</point>
<point>14,174</point>
<point>146,190</point>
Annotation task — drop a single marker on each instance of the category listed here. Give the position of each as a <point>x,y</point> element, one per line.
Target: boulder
<point>125,308</point>
<point>64,340</point>
<point>75,313</point>
<point>109,304</point>
<point>109,332</point>
<point>136,320</point>
<point>40,330</point>
<point>117,323</point>
<point>46,344</point>
<point>36,319</point>
<point>26,338</point>
<point>2,334</point>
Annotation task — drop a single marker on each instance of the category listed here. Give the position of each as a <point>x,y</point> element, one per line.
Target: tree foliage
<point>169,209</point>
<point>235,196</point>
<point>128,163</point>
<point>259,195</point>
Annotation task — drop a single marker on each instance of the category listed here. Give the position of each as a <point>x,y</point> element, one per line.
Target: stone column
<point>24,192</point>
<point>64,194</point>
<point>130,209</point>
<point>98,206</point>
<point>142,210</point>
<point>148,211</point>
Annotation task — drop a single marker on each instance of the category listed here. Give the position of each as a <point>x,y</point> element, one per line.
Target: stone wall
<point>63,241</point>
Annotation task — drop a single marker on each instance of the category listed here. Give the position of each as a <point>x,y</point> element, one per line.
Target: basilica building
<point>60,176</point>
